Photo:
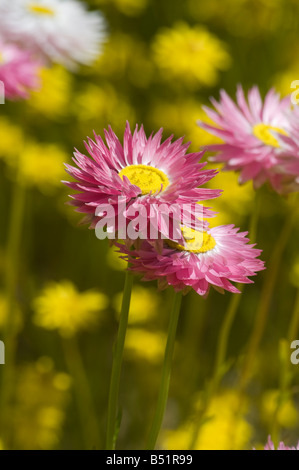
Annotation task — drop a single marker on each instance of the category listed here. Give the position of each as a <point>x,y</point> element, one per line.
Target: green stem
<point>166,372</point>
<point>9,327</point>
<point>224,334</point>
<point>86,407</point>
<point>117,362</point>
<point>285,373</point>
<point>266,298</point>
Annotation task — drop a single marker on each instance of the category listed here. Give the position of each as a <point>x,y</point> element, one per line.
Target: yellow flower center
<point>147,178</point>
<point>196,242</point>
<point>262,132</point>
<point>40,10</point>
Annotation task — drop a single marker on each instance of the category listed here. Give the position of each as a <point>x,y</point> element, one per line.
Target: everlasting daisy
<point>59,30</point>
<point>287,169</point>
<point>248,130</point>
<point>18,72</point>
<point>211,258</point>
<point>281,446</point>
<point>144,174</point>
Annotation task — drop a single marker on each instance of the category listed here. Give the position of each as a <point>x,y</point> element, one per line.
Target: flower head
<point>191,55</point>
<point>56,30</point>
<point>211,258</point>
<point>146,175</point>
<point>281,446</point>
<point>249,131</point>
<point>60,306</point>
<point>19,72</point>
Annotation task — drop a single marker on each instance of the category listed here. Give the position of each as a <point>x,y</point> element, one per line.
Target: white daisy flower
<point>60,30</point>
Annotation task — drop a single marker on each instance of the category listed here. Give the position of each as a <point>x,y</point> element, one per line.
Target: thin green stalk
<point>266,298</point>
<point>117,362</point>
<point>166,372</point>
<point>9,327</point>
<point>285,373</point>
<point>85,402</point>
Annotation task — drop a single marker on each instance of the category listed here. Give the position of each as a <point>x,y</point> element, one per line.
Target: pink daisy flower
<point>211,258</point>
<point>247,129</point>
<point>287,170</point>
<point>18,72</point>
<point>281,446</point>
<point>144,174</point>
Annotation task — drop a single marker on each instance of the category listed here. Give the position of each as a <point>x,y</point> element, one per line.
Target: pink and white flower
<point>212,258</point>
<point>60,31</point>
<point>249,131</point>
<point>144,173</point>
<point>281,446</point>
<point>19,72</point>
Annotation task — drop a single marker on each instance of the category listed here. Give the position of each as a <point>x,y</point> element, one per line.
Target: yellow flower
<point>287,415</point>
<point>42,165</point>
<point>148,345</point>
<point>145,303</point>
<point>54,97</point>
<point>60,306</point>
<point>39,411</point>
<point>191,55</point>
<point>11,140</point>
<point>222,430</point>
<point>103,102</point>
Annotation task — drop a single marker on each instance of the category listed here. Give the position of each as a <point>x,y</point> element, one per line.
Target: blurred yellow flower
<point>222,430</point>
<point>236,201</point>
<point>99,106</point>
<point>11,140</point>
<point>42,165</point>
<point>39,411</point>
<point>287,415</point>
<point>145,304</point>
<point>128,7</point>
<point>191,55</point>
<point>60,306</point>
<point>143,344</point>
<point>54,97</point>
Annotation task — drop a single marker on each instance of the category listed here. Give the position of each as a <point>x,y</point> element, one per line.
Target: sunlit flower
<point>144,304</point>
<point>211,258</point>
<point>281,446</point>
<point>54,97</point>
<point>60,30</point>
<point>61,307</point>
<point>144,344</point>
<point>248,129</point>
<point>191,55</point>
<point>223,429</point>
<point>38,416</point>
<point>18,72</point>
<point>145,174</point>
<point>41,165</point>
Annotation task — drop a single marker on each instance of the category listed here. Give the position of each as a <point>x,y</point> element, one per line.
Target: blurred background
<point>69,284</point>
